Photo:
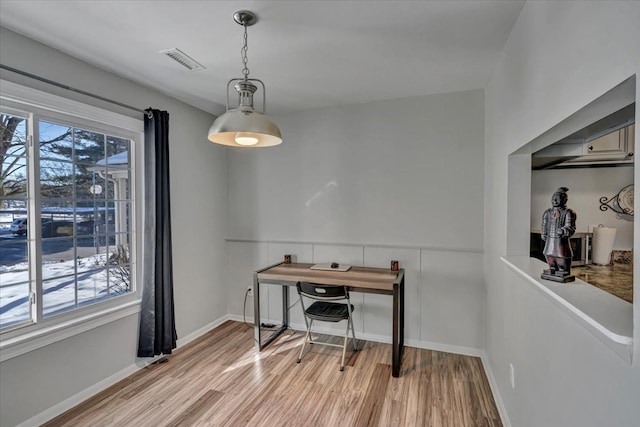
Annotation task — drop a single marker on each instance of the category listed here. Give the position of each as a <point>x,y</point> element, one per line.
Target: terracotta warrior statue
<point>558,224</point>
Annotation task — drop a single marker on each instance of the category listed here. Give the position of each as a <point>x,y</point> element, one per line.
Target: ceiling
<point>308,53</point>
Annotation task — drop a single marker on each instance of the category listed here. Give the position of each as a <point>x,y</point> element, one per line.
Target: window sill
<point>24,343</point>
<point>607,317</point>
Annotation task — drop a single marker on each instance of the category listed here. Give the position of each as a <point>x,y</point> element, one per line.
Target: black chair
<point>326,309</point>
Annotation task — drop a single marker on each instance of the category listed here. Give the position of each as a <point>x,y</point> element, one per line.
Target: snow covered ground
<point>95,282</point>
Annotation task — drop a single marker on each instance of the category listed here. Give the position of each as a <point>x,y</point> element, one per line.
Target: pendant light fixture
<point>244,126</point>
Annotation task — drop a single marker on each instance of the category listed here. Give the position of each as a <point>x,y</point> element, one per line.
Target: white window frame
<point>28,337</point>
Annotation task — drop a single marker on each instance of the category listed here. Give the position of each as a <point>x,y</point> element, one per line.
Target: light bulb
<point>246,138</point>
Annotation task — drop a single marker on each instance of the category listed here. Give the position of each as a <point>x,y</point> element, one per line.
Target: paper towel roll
<point>603,239</point>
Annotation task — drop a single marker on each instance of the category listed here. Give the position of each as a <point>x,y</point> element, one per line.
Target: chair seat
<point>328,311</point>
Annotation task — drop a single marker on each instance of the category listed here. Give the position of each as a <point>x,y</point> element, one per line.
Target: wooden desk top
<point>365,279</point>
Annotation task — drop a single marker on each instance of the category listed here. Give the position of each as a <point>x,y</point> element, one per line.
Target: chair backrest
<point>322,292</point>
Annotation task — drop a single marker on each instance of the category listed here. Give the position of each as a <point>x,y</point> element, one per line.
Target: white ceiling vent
<point>184,59</point>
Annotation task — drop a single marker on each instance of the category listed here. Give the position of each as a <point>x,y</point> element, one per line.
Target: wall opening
<point>591,153</point>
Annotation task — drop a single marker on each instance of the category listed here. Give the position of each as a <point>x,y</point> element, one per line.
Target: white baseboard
<point>78,398</point>
<point>427,345</point>
<point>199,332</point>
<point>302,327</point>
<point>445,348</point>
<point>502,409</point>
<point>239,318</point>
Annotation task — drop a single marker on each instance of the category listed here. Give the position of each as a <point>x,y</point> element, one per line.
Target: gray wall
<point>559,57</point>
<point>364,184</point>
<point>396,172</point>
<point>36,381</point>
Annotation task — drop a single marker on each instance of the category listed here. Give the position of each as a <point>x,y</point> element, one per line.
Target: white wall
<point>365,184</point>
<point>586,187</point>
<point>36,381</point>
<point>559,57</point>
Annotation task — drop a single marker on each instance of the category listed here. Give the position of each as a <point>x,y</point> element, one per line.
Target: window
<point>67,209</point>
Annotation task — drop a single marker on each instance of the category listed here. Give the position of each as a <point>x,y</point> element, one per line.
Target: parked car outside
<point>50,228</point>
<point>101,233</point>
<point>89,227</point>
<point>19,226</point>
<point>57,228</point>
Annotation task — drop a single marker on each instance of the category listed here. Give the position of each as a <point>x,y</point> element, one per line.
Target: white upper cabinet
<point>612,143</point>
<point>616,147</point>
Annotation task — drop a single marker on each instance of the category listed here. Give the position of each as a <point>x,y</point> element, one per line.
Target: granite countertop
<point>616,278</point>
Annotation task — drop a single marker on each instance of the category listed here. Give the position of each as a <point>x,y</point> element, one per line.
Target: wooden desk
<point>358,279</point>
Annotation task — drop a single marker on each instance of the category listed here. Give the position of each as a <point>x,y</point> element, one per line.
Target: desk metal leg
<point>285,306</point>
<point>402,317</point>
<point>398,326</point>
<point>260,344</point>
<point>256,311</point>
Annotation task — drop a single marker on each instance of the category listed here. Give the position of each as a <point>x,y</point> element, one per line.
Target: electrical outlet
<point>250,291</point>
<point>512,375</point>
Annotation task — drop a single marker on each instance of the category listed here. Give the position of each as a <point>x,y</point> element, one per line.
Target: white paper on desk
<point>327,266</point>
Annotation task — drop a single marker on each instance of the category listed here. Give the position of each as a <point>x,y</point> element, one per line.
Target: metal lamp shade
<point>249,123</point>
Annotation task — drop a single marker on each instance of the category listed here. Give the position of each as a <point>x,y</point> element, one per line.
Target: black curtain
<point>157,322</point>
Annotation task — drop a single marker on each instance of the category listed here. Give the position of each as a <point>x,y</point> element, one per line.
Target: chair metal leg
<point>306,322</point>
<point>344,346</point>
<point>306,337</point>
<point>353,332</point>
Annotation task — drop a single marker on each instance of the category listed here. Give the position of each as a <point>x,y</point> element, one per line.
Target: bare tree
<point>13,146</point>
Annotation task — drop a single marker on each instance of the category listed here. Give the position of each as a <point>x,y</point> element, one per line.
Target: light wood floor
<point>219,380</point>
